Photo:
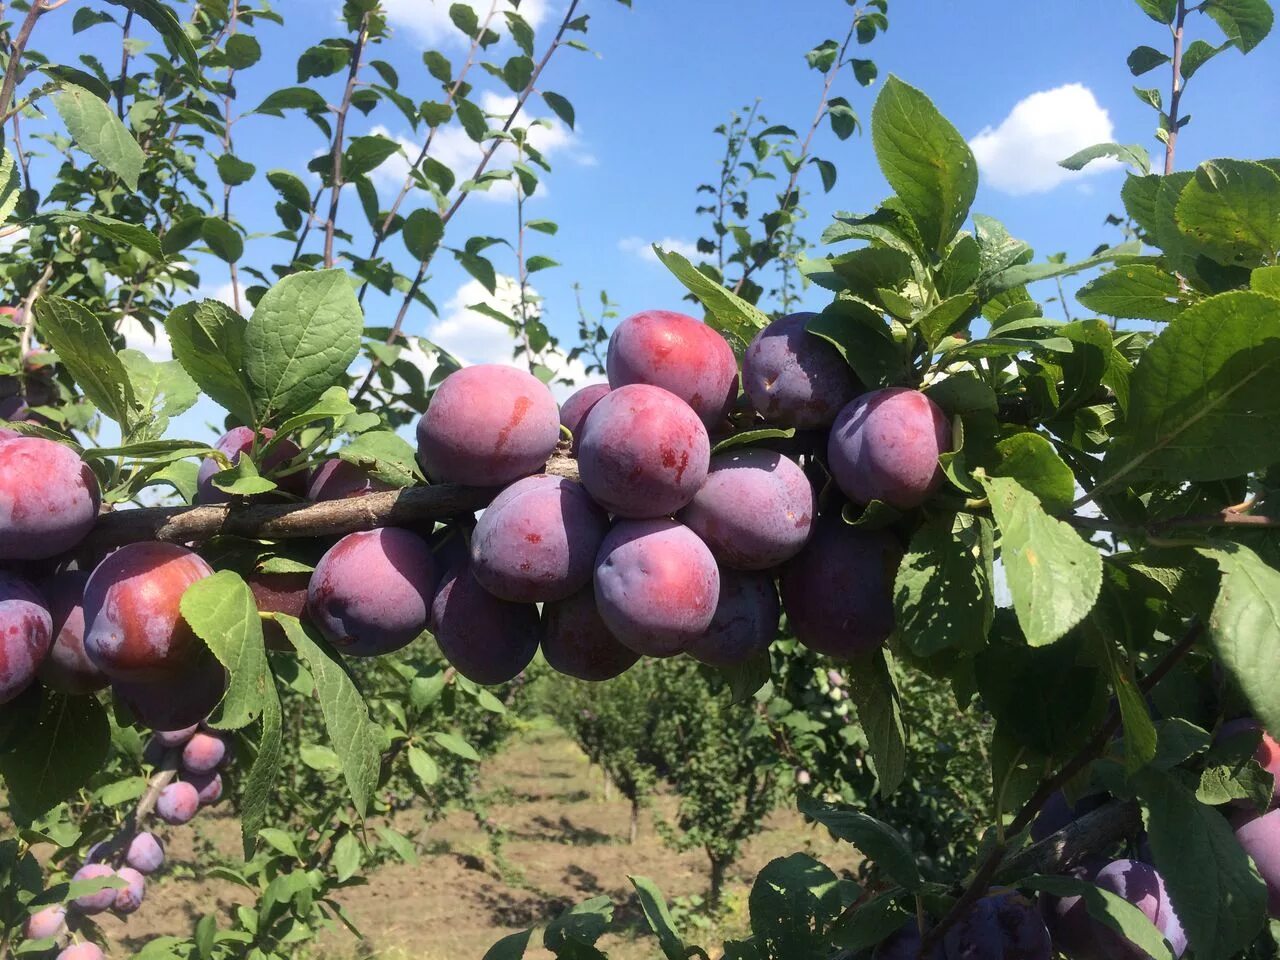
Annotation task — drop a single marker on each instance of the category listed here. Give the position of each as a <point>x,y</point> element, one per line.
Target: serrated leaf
<point>222,612</point>
<point>1245,22</point>
<point>656,914</point>
<point>943,595</point>
<point>81,344</point>
<point>1031,460</point>
<point>729,313</point>
<point>874,694</point>
<point>1144,59</point>
<point>222,238</point>
<point>207,338</point>
<point>386,457</point>
<point>878,842</point>
<point>1134,291</point>
<point>160,16</point>
<point>64,743</point>
<point>1230,212</point>
<point>99,132</point>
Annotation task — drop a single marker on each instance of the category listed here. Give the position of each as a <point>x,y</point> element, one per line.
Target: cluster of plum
<point>195,754</point>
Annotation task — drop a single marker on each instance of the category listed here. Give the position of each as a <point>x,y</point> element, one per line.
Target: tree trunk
<point>719,866</point>
<point>634,830</point>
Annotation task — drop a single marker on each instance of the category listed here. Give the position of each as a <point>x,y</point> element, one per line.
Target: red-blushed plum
<point>45,923</point>
<point>134,629</point>
<point>176,738</point>
<point>1003,925</point>
<point>145,853</point>
<point>204,752</point>
<point>49,499</point>
<point>487,640</point>
<point>904,944</point>
<point>1260,838</point>
<point>67,667</point>
<point>656,585</point>
<point>1266,750</point>
<point>178,700</point>
<point>235,443</point>
<point>1142,886</point>
<point>340,480</point>
<point>537,541</point>
<point>7,434</point>
<point>26,634</point>
<point>129,899</point>
<point>795,378</point>
<point>745,621</point>
<point>279,593</point>
<point>644,452</point>
<point>577,643</point>
<point>99,900</point>
<point>678,353</point>
<point>371,592</point>
<point>573,412</point>
<point>488,425</point>
<point>178,803</point>
<point>885,446</point>
<point>755,510</point>
<point>838,591</point>
<point>82,951</point>
<point>208,787</point>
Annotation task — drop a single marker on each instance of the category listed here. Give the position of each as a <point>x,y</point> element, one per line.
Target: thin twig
<point>16,51</point>
<point>339,135</point>
<point>227,121</point>
<point>27,312</point>
<point>124,63</point>
<point>1175,95</point>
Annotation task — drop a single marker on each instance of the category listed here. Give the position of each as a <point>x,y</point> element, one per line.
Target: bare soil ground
<point>563,842</point>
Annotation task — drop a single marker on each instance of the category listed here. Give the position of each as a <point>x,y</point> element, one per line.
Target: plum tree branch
<point>16,51</point>
<point>339,137</point>
<point>1175,93</point>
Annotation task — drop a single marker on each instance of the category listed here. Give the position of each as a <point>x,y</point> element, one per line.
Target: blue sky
<point>669,71</point>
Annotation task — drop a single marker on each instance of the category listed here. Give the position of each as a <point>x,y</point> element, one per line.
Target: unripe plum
<point>678,353</point>
<point>204,752</point>
<point>754,510</point>
<point>486,639</point>
<point>239,441</point>
<point>82,951</point>
<point>101,899</point>
<point>145,853</point>
<point>837,592</point>
<point>904,944</point>
<point>795,378</point>
<point>180,699</point>
<point>129,899</point>
<point>49,499</point>
<point>208,787</point>
<point>577,643</point>
<point>657,585</point>
<point>885,446</point>
<point>46,923</point>
<point>1142,886</point>
<point>1260,838</point>
<point>371,592</point>
<point>26,634</point>
<point>178,803</point>
<point>67,667</point>
<point>1267,751</point>
<point>644,452</point>
<point>745,621</point>
<point>488,425</point>
<point>537,541</point>
<point>1003,925</point>
<point>573,412</point>
<point>340,480</point>
<point>134,629</point>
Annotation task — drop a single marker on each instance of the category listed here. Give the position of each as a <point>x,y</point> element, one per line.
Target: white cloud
<point>642,248</point>
<point>428,20</point>
<point>136,337</point>
<point>1021,154</point>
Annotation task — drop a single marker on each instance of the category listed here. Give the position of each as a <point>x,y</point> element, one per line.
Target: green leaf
<point>871,923</point>
<point>658,917</point>
<point>259,790</point>
<point>946,317</point>
<point>1224,783</point>
<point>1031,460</point>
<point>827,170</point>
<point>864,71</point>
<point>422,232</point>
<point>1203,395</point>
<point>1144,59</point>
<point>242,51</point>
<point>456,745</point>
<point>1215,890</point>
<point>10,185</point>
<point>875,698</point>
<point>747,437</point>
<point>1141,741</point>
<point>1054,575</point>
<point>926,161</point>
<point>1161,11</point>
<point>1109,910</point>
<point>293,98</point>
<point>301,339</point>
<point>963,392</point>
<point>386,457</point>
<point>510,947</point>
<point>943,595</point>
<point>465,18</point>
<point>222,238</point>
<point>423,767</point>
<point>99,132</point>
<point>863,339</point>
<point>728,312</point>
<point>878,842</point>
<point>560,106</point>
<point>108,228</point>
<point>281,841</point>
<point>162,18</point>
<point>162,390</point>
<point>1137,291</point>
<point>573,934</point>
<point>355,738</point>
<point>208,338</point>
<point>1197,54</point>
<point>232,170</point>
<point>538,262</point>
<point>1245,22</point>
<point>291,188</point>
<point>401,844</point>
<point>222,612</point>
<point>517,72</point>
<point>81,344</point>
<point>347,857</point>
<point>366,154</point>
<point>792,903</point>
<point>1230,211</point>
<point>1022,274</point>
<point>472,119</point>
<point>322,61</point>
<point>64,743</point>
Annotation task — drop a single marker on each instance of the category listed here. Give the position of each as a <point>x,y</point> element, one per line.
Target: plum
<point>573,412</point>
<point>1266,751</point>
<point>1260,838</point>
<point>904,944</point>
<point>145,853</point>
<point>241,440</point>
<point>178,700</point>
<point>795,378</point>
<point>67,667</point>
<point>754,510</point>
<point>656,585</point>
<point>100,900</point>
<point>26,634</point>
<point>279,593</point>
<point>488,425</point>
<point>1142,886</point>
<point>486,639</point>
<point>837,592</point>
<point>371,592</point>
<point>49,499</point>
<point>340,480</point>
<point>45,924</point>
<point>208,787</point>
<point>1068,918</point>
<point>204,752</point>
<point>678,353</point>
<point>1059,812</point>
<point>644,452</point>
<point>1003,925</point>
<point>577,643</point>
<point>885,446</point>
<point>176,738</point>
<point>537,541</point>
<point>178,803</point>
<point>134,629</point>
<point>745,621</point>
<point>129,899</point>
<point>82,951</point>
